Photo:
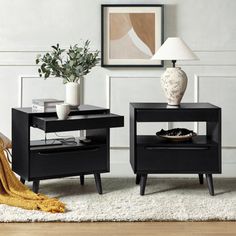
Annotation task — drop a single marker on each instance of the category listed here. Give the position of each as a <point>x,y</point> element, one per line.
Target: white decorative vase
<point>73,93</point>
<point>174,82</point>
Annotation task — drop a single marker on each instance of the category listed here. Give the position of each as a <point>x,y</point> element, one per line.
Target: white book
<point>37,108</point>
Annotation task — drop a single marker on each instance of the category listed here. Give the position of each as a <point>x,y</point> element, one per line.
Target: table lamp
<point>174,80</point>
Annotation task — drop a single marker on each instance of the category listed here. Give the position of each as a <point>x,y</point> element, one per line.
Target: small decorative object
<point>63,110</point>
<point>84,140</point>
<point>178,134</point>
<point>174,80</point>
<point>131,34</point>
<point>71,65</point>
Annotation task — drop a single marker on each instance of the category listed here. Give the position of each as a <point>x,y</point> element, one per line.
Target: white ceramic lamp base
<point>174,82</point>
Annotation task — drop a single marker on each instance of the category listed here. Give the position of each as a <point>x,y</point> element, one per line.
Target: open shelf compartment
<point>155,141</point>
<point>54,144</point>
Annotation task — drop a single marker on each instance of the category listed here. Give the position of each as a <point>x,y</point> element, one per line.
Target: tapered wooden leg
<point>201,180</point>
<point>98,182</point>
<point>82,179</point>
<point>137,179</point>
<point>22,180</point>
<point>36,186</point>
<point>143,181</point>
<point>209,180</point>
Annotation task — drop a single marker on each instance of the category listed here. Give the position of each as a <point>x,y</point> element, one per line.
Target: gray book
<point>47,102</point>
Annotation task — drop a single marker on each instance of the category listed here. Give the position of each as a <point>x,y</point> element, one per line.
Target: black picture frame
<point>103,59</point>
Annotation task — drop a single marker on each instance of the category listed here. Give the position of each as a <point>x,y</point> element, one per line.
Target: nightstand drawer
<point>59,163</point>
<point>78,122</point>
<point>175,115</point>
<point>177,159</point>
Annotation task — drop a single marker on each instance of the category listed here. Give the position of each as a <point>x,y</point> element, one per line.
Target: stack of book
<point>45,104</point>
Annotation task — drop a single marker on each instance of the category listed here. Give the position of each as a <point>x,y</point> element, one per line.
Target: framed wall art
<point>131,34</point>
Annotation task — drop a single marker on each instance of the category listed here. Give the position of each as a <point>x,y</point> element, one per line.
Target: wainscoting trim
<point>196,99</point>
<point>21,88</point>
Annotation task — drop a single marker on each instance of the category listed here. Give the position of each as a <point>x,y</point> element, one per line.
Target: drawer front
<point>80,122</point>
<point>164,115</point>
<point>178,160</point>
<point>59,163</point>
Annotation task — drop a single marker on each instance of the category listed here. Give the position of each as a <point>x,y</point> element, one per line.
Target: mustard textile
<point>14,193</point>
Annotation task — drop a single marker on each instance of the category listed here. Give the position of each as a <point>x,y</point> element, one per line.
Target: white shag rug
<point>165,200</point>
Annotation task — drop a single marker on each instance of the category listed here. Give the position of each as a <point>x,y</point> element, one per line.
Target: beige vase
<point>174,82</point>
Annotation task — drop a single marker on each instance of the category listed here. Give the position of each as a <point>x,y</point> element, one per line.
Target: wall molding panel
<point>21,87</point>
<point>197,79</point>
<point>111,89</point>
<point>109,78</point>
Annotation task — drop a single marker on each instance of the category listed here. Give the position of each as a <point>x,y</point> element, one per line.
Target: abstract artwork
<point>131,34</point>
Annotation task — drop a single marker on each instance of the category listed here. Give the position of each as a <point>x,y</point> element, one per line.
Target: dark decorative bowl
<point>177,135</point>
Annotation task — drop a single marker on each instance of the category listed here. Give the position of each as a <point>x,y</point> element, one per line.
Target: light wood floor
<point>124,229</point>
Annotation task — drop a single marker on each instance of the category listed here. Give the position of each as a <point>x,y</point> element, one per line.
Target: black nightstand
<point>37,162</point>
<point>150,154</point>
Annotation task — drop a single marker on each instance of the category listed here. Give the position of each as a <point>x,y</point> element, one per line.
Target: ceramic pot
<point>63,111</point>
<point>73,93</point>
<point>174,82</point>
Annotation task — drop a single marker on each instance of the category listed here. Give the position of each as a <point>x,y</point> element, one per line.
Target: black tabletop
<point>151,106</point>
<point>81,108</point>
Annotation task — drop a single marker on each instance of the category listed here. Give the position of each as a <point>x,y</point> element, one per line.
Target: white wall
<point>29,27</point>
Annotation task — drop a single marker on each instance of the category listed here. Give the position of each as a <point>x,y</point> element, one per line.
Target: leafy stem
<point>71,64</point>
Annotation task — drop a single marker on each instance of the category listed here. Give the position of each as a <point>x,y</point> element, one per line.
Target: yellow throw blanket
<point>14,193</point>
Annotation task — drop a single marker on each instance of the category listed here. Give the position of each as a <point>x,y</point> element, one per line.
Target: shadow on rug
<point>165,200</point>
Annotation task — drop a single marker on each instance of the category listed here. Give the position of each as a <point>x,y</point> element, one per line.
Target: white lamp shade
<point>174,49</point>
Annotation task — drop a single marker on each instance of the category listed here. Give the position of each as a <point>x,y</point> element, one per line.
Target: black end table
<point>38,160</point>
<point>150,154</point>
